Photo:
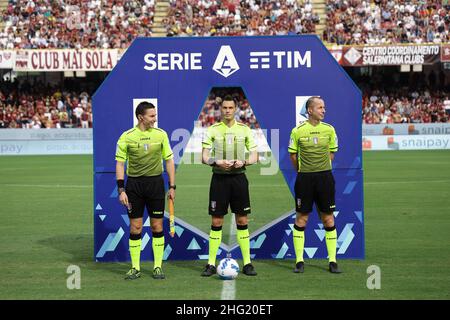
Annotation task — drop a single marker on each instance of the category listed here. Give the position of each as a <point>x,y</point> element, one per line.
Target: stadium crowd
<point>405,107</point>
<point>36,105</point>
<point>239,18</point>
<point>32,24</point>
<point>210,113</point>
<point>114,24</point>
<point>394,97</point>
<point>386,21</point>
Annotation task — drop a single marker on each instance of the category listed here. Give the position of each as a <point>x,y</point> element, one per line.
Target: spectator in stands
<point>63,118</point>
<point>13,124</point>
<point>78,111</point>
<point>85,119</point>
<point>35,123</point>
<point>447,105</point>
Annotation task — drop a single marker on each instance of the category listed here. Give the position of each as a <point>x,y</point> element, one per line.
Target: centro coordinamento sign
<point>357,56</point>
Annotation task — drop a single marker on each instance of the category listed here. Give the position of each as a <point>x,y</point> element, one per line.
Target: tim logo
<point>225,63</point>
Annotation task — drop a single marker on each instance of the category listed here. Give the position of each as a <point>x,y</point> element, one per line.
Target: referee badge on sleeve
<point>213,205</point>
<point>299,202</point>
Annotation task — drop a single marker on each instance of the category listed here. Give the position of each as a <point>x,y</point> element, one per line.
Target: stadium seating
<point>238,18</point>
<point>75,24</point>
<point>39,24</point>
<point>404,107</point>
<point>40,106</point>
<point>210,113</point>
<point>36,105</point>
<point>108,24</point>
<point>386,21</point>
<point>114,24</point>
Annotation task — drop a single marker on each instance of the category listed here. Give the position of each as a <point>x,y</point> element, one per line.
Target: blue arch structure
<point>178,73</point>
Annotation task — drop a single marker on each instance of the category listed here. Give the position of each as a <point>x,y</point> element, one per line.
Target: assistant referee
<point>312,147</point>
<point>224,148</point>
<point>143,148</point>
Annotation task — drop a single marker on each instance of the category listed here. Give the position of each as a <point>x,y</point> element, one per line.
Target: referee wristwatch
<point>120,186</point>
<point>174,187</point>
<point>212,162</point>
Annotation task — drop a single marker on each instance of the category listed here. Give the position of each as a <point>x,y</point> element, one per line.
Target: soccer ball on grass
<point>228,269</point>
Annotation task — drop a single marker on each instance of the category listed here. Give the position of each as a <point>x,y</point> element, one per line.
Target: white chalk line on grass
<point>73,186</point>
<point>29,185</point>
<point>229,286</point>
<point>406,182</point>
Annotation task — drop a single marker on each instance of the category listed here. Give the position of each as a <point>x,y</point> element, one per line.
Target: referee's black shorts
<point>146,192</point>
<point>229,190</point>
<point>315,187</point>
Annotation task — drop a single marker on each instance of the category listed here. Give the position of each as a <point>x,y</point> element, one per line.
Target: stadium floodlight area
<point>277,74</point>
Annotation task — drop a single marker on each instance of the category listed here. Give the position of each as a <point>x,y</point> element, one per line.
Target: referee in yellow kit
<point>143,148</point>
<point>312,147</point>
<point>224,149</point>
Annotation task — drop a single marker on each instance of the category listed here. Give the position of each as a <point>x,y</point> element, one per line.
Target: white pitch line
<point>229,286</point>
<point>406,182</point>
<point>198,185</point>
<point>26,168</point>
<point>46,185</point>
<point>365,183</point>
<point>252,186</point>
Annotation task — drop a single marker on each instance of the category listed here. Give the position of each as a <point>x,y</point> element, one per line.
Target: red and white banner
<point>358,56</point>
<point>66,60</point>
<point>47,60</point>
<point>7,59</point>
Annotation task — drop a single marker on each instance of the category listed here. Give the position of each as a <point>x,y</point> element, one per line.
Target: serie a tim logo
<point>226,63</point>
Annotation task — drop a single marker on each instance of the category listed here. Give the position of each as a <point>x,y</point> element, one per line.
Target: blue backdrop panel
<point>111,225</point>
<point>264,67</point>
<point>275,240</point>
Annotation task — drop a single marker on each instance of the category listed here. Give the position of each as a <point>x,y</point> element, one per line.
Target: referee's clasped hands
<point>228,164</point>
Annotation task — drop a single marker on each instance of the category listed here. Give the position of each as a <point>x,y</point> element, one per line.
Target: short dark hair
<point>228,97</point>
<point>310,101</point>
<point>142,108</point>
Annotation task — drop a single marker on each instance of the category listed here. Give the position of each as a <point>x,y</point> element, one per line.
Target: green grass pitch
<point>47,225</point>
